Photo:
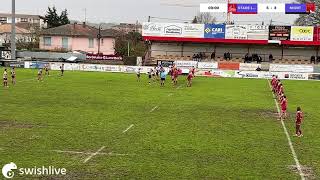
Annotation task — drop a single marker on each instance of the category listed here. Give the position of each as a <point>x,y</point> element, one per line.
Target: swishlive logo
<point>11,169</point>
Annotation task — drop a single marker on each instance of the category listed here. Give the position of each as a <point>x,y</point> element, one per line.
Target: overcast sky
<point>133,10</point>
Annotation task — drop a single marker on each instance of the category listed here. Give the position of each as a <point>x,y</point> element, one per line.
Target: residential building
<point>73,37</point>
<point>22,34</point>
<point>22,18</point>
<point>126,28</point>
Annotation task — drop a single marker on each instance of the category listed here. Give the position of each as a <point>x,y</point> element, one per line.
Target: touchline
<point>51,170</point>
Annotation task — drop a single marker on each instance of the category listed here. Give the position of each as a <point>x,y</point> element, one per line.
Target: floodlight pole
<point>13,30</point>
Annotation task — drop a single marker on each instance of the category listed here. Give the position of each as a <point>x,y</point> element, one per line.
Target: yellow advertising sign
<point>302,33</point>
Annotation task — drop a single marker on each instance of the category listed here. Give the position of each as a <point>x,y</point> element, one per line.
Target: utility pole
<point>85,15</point>
<point>99,39</point>
<point>13,30</point>
<point>128,49</point>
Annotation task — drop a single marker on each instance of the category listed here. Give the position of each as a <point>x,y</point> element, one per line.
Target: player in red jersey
<point>193,71</point>
<point>189,78</point>
<point>175,76</point>
<point>284,106</point>
<point>273,81</point>
<point>281,90</point>
<point>299,119</point>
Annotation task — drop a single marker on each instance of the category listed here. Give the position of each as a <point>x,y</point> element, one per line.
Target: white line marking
<point>94,154</point>
<point>153,108</point>
<point>128,128</point>
<point>169,95</point>
<point>27,80</point>
<point>89,153</point>
<point>179,86</point>
<point>295,157</point>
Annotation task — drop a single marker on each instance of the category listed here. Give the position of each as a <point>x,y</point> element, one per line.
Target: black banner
<point>279,32</point>
<point>165,63</point>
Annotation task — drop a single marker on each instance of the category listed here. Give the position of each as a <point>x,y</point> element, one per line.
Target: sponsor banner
<point>183,30</point>
<point>103,57</point>
<point>186,63</point>
<point>217,31</point>
<point>296,8</point>
<point>207,65</point>
<point>271,8</point>
<point>279,32</point>
<point>217,73</point>
<point>228,66</point>
<point>193,30</point>
<point>165,63</point>
<point>214,8</point>
<point>67,66</point>
<point>100,68</point>
<point>258,32</point>
<point>243,8</point>
<point>16,64</point>
<point>35,64</point>
<point>291,68</point>
<point>236,32</point>
<point>296,76</point>
<point>249,67</point>
<point>152,29</point>
<point>302,33</point>
<point>314,77</point>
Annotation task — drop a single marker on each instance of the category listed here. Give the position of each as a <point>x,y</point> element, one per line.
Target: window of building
<point>24,19</point>
<point>91,43</point>
<point>47,41</point>
<point>3,19</point>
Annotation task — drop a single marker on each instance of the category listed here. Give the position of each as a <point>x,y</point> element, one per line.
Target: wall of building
<point>80,43</point>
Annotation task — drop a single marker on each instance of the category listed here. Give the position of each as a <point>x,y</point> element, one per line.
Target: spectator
<point>259,60</point>
<point>213,55</point>
<point>313,59</point>
<point>270,57</point>
<point>229,55</point>
<point>246,58</point>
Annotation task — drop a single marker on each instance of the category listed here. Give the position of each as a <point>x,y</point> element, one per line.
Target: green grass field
<point>218,129</point>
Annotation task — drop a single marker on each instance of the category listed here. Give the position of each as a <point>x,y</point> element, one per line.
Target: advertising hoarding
<point>258,32</point>
<point>279,32</point>
<point>301,33</point>
<point>217,31</point>
<point>236,31</point>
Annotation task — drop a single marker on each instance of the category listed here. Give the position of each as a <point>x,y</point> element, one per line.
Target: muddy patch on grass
<point>260,113</point>
<point>307,171</point>
<point>6,124</point>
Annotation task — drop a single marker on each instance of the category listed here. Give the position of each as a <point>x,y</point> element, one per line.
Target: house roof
<point>72,30</point>
<point>6,28</point>
<point>20,15</point>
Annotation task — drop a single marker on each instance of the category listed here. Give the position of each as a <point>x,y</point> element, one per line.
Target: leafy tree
<point>64,17</point>
<point>309,19</point>
<point>54,20</point>
<point>195,20</point>
<point>205,18</point>
<point>137,45</point>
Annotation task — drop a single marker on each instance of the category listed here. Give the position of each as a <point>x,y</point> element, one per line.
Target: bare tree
<point>312,19</point>
<point>205,18</point>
